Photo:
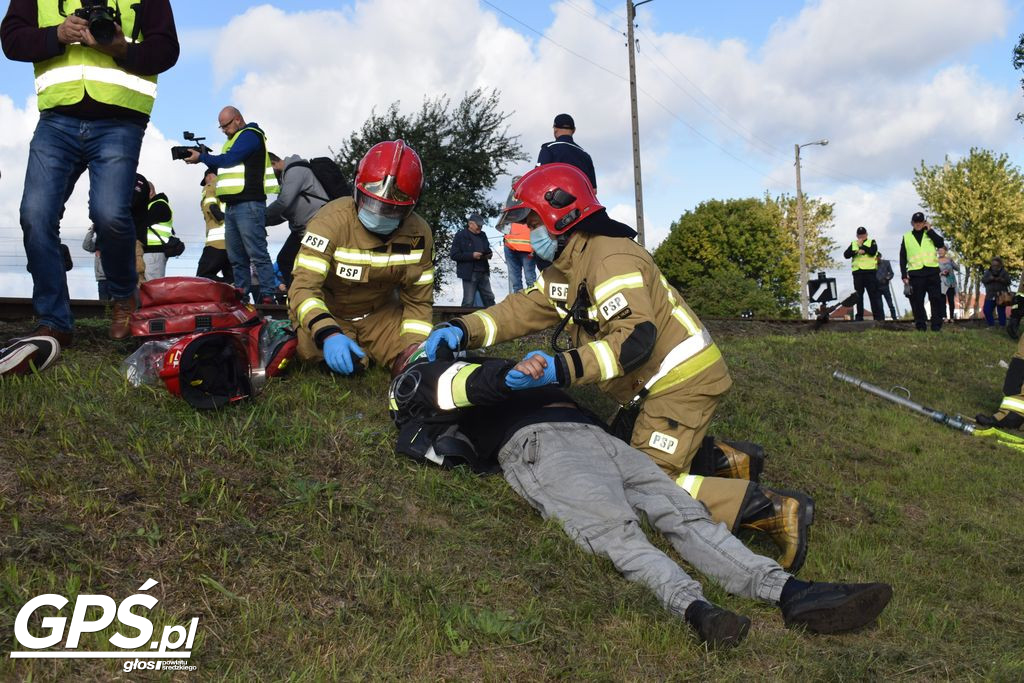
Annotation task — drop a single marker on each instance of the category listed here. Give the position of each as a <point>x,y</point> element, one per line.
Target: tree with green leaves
<point>737,255</point>
<point>977,203</point>
<point>464,149</point>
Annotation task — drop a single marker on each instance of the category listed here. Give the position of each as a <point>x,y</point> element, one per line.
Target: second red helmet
<point>560,194</point>
<point>389,179</point>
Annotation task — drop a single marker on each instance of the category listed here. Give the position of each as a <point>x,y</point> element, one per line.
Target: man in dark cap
<point>471,252</point>
<point>564,150</point>
<point>919,267</point>
<point>863,251</point>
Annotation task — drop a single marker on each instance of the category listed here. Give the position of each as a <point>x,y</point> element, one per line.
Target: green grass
<point>310,552</point>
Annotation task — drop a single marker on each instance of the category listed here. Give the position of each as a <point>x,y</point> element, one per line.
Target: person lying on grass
<point>559,458</point>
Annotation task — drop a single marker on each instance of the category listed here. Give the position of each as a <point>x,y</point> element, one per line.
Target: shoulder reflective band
<point>610,286</point>
<point>490,327</point>
<point>420,327</point>
<point>426,278</point>
<point>308,305</point>
<point>605,359</point>
<point>1012,404</point>
<point>313,263</point>
<point>451,386</point>
<point>690,483</point>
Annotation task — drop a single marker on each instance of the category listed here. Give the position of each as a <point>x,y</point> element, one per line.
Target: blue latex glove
<point>338,350</point>
<point>517,380</point>
<point>449,334</point>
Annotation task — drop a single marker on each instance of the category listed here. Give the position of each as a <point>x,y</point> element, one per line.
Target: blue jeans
<point>62,148</point>
<point>245,232</point>
<point>988,307</point>
<point>479,286</point>
<point>520,263</point>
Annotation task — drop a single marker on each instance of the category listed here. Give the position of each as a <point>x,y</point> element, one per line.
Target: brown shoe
<point>63,338</point>
<point>119,324</point>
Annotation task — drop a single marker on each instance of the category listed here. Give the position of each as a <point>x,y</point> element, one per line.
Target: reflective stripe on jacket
<point>344,272</point>
<point>214,228</point>
<point>637,327</point>
<point>158,233</point>
<point>231,180</point>
<point>518,238</point>
<point>65,79</point>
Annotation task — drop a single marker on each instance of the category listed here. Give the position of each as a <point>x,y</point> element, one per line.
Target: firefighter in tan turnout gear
<point>363,283</point>
<point>635,336</point>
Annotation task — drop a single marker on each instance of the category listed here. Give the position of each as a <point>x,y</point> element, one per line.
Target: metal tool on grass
<point>953,421</point>
<point>957,422</point>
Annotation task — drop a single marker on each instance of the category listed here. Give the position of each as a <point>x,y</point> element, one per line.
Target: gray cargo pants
<point>595,485</point>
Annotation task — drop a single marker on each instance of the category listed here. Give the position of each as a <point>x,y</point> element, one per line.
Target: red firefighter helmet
<point>560,194</point>
<point>389,179</point>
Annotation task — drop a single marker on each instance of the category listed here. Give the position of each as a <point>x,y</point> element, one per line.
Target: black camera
<point>183,151</point>
<point>101,18</point>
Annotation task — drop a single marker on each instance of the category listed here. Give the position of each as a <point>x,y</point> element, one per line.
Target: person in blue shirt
<point>563,150</point>
<point>244,179</point>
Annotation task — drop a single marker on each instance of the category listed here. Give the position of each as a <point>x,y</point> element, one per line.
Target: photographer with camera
<point>95,92</point>
<point>244,179</point>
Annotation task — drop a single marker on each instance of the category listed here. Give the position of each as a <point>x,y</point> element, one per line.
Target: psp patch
<point>347,272</point>
<point>613,306</point>
<point>663,442</point>
<point>558,292</point>
<point>314,241</point>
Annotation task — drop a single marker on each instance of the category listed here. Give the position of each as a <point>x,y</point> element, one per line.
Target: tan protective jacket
<point>214,228</point>
<point>345,272</point>
<point>644,334</point>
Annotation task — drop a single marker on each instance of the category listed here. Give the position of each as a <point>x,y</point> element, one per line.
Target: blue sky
<point>729,87</point>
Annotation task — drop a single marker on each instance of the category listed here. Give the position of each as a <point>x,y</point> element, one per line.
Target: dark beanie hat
<point>862,230</point>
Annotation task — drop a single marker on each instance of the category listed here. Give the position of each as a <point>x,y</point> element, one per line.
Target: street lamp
<point>800,227</point>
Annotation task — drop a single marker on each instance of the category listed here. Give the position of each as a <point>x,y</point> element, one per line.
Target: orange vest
<point>518,238</point>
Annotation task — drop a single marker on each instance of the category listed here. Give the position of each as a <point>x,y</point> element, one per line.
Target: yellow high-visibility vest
<point>863,261</point>
<point>920,255</point>
<point>66,78</point>
<point>159,233</point>
<point>232,180</point>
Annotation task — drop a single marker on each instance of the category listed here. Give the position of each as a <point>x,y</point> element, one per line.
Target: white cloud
<point>886,82</point>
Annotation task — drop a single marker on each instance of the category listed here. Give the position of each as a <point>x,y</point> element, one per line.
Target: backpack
<point>173,306</point>
<point>328,174</point>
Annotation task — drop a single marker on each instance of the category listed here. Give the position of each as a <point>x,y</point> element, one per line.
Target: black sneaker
<point>836,607</point>
<point>716,627</point>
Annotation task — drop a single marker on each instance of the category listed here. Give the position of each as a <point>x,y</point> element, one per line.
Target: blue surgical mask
<point>543,245</point>
<point>377,224</point>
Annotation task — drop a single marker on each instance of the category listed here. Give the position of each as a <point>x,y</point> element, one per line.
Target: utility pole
<point>638,190</point>
<point>804,306</point>
<point>800,231</point>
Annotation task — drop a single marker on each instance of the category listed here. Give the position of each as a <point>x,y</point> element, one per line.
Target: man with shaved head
<point>244,179</point>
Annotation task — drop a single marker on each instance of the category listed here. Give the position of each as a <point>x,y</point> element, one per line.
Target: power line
<point>658,102</point>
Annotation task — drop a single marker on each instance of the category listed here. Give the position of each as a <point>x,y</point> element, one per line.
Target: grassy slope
<point>309,551</point>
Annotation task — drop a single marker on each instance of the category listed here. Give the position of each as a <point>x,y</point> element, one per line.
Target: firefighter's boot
<point>786,516</point>
<point>728,459</point>
<point>1003,419</point>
